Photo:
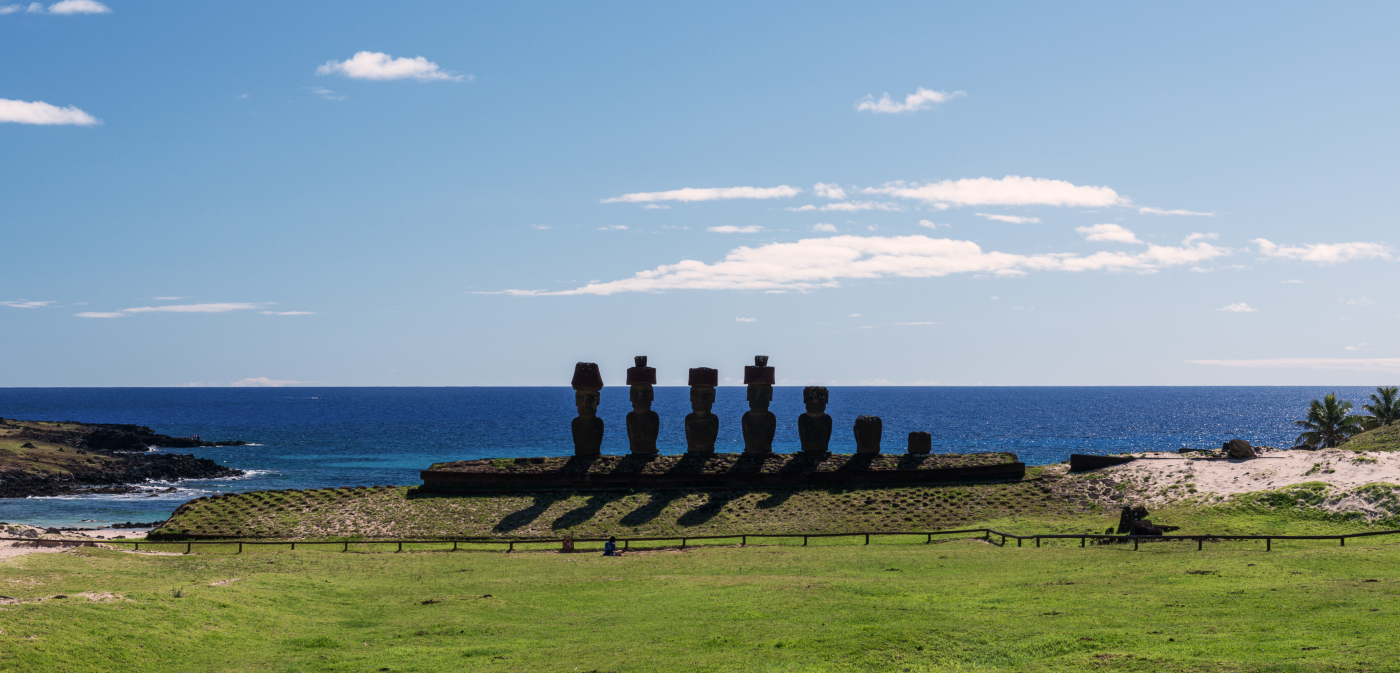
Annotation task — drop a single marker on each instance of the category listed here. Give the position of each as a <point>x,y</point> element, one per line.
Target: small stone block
<point>637,375</point>
<point>587,377</point>
<point>703,376</point>
<point>920,442</point>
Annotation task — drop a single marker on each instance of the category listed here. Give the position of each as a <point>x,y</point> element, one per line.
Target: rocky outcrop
<point>1240,449</point>
<point>115,476</point>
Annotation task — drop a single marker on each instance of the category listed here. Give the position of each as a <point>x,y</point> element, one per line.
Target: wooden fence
<point>984,533</point>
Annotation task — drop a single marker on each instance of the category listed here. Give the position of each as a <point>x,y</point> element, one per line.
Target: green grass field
<point>896,605</point>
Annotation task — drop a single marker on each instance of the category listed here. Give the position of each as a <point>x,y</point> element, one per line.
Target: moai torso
<point>814,426</point>
<point>588,436</point>
<point>868,430</point>
<point>702,426</point>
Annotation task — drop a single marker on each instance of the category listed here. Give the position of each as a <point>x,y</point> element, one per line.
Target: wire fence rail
<point>984,533</point>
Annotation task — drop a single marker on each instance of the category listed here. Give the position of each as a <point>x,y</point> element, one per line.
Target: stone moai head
<point>868,430</point>
<point>815,398</point>
<point>587,402</point>
<point>702,384</point>
<point>642,397</point>
<point>760,396</point>
<point>586,383</point>
<point>920,442</point>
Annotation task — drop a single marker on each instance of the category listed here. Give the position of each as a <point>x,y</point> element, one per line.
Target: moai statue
<point>868,430</point>
<point>920,442</point>
<point>588,428</point>
<point>814,427</point>
<point>643,424</point>
<point>702,426</point>
<point>759,424</point>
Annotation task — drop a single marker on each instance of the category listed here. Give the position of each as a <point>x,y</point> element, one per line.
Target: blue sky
<point>449,194</point>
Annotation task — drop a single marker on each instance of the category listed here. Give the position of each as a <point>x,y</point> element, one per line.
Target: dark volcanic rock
<point>1238,448</point>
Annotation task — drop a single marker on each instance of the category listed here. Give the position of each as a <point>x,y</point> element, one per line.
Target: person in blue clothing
<point>610,547</point>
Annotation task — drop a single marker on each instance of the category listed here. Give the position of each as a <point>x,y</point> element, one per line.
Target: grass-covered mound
<point>724,463</point>
<point>896,605</point>
<point>1384,438</point>
<point>394,512</point>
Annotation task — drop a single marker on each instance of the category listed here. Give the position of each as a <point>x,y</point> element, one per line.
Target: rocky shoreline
<point>46,458</point>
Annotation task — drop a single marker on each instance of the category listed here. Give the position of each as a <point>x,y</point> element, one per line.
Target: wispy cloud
<point>731,229</point>
<point>1357,347</point>
<point>824,227</point>
<point>26,304</point>
<point>541,227</point>
<point>615,227</point>
<point>1159,211</point>
<point>737,319</point>
<point>1323,253</point>
<point>325,93</point>
<point>931,224</point>
<point>1012,190</point>
<point>1359,301</point>
<point>63,7</point>
<point>921,99</point>
<point>1385,365</point>
<point>824,262</point>
<point>262,382</point>
<point>1014,219</point>
<point>1240,307</point>
<point>1110,233</point>
<point>690,194</point>
<point>373,65</point>
<point>43,114</point>
<point>288,313</point>
<point>174,308</point>
<point>167,298</point>
<point>655,206</point>
<point>1291,282</point>
<point>916,323</point>
<point>829,191</point>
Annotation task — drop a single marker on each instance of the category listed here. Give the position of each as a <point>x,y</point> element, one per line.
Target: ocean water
<point>318,437</point>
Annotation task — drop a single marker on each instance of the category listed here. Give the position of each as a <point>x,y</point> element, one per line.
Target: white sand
<point>46,543</point>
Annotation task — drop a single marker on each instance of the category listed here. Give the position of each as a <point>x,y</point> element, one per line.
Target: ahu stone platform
<point>719,470</point>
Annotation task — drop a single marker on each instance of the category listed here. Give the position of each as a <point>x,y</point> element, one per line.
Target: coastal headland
<point>47,458</point>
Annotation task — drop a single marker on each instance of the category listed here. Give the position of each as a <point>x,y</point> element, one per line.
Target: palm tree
<point>1386,408</point>
<point>1328,423</point>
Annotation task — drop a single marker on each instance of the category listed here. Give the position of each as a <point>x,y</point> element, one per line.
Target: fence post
<point>804,540</point>
<point>454,545</point>
<point>400,546</point>
<point>930,539</point>
<point>511,548</point>
<point>1037,542</point>
<point>1135,543</point>
<point>1018,542</point>
<point>187,547</point>
<point>294,546</point>
<point>1343,539</point>
<point>240,546</point>
<point>626,545</point>
<point>138,546</point>
<point>347,547</point>
<point>1083,541</point>
<point>682,543</point>
<point>1268,544</point>
<point>1200,543</point>
<point>867,538</point>
<point>744,541</point>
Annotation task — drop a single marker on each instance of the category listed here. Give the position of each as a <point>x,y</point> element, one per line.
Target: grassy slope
<point>44,458</point>
<point>396,512</point>
<point>892,606</point>
<point>1381,439</point>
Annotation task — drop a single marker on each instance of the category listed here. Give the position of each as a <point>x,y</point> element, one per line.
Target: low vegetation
<point>896,605</point>
<point>1384,438</point>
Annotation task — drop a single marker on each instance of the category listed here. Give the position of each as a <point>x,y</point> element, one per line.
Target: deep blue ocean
<point>318,437</point>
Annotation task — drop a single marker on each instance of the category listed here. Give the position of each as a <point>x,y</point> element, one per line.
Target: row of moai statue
<point>702,426</point>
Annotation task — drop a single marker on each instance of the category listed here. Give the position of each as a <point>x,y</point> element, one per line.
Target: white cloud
<point>1292,281</point>
<point>872,227</point>
<point>541,227</point>
<point>615,227</point>
<point>288,313</point>
<point>325,93</point>
<point>1110,233</point>
<point>737,319</point>
<point>821,226</point>
<point>1159,211</point>
<point>26,304</point>
<point>1386,365</point>
<point>850,207</point>
<point>921,99</point>
<point>855,315</point>
<point>375,65</point>
<point>731,229</point>
<point>167,298</point>
<point>708,194</point>
<point>824,262</point>
<point>1014,219</point>
<point>1357,347</point>
<point>1323,253</point>
<point>916,323</point>
<point>39,112</point>
<point>175,308</point>
<point>1359,301</point>
<point>829,191</point>
<point>79,7</point>
<point>1240,307</point>
<point>1198,236</point>
<point>931,224</point>
<point>262,382</point>
<point>1012,190</point>
<point>653,206</point>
